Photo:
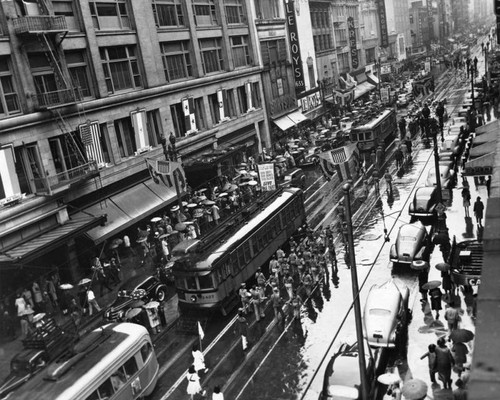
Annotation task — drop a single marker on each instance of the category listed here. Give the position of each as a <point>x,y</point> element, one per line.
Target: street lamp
<point>355,293</point>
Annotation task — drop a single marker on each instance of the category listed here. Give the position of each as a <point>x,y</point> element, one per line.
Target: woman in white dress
<point>194,386</point>
<point>199,359</point>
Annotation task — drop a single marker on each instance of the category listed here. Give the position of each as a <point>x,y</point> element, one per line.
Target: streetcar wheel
<point>161,294</point>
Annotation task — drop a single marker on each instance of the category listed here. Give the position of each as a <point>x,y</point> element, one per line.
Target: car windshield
<point>379,311</point>
<point>19,366</point>
<point>288,178</point>
<point>408,239</point>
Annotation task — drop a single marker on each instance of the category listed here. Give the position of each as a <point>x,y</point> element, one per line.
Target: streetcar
<point>375,130</point>
<point>209,271</point>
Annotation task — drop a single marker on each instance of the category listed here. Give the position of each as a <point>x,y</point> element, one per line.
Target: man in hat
<point>479,210</point>
<point>277,303</point>
<point>245,300</point>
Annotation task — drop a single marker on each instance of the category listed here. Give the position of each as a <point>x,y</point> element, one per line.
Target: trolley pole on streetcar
<point>355,293</point>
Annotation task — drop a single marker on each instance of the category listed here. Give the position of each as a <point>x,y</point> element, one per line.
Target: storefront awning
<point>49,241</point>
<point>372,79</point>
<point>493,126</point>
<point>292,119</point>
<point>481,150</point>
<point>480,166</point>
<point>486,137</point>
<point>362,88</point>
<point>128,207</point>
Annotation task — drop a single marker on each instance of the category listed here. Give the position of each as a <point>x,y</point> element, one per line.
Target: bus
<point>114,362</point>
<point>208,272</point>
<point>377,130</point>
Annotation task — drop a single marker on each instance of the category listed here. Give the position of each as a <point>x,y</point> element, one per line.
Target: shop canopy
<point>362,88</point>
<point>480,166</point>
<point>292,119</point>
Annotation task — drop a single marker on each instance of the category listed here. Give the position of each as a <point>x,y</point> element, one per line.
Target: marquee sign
<point>351,30</point>
<point>293,39</point>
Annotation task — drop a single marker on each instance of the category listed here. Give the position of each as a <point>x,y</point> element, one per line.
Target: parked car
<point>310,157</point>
<point>145,288</point>
<point>424,202</point>
<point>412,244</point>
<point>294,178</point>
<point>403,99</point>
<point>22,367</point>
<point>386,313</point>
<point>342,379</point>
<point>447,177</point>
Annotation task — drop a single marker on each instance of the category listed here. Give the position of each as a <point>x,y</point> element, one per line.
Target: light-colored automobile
<point>447,177</point>
<point>386,313</point>
<point>412,244</point>
<point>424,202</point>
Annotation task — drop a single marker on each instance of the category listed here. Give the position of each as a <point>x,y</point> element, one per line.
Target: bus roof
<point>205,262</point>
<point>374,121</point>
<point>117,338</point>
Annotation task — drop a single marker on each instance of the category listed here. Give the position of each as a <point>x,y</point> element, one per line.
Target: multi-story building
<point>398,25</point>
<point>90,89</point>
<point>460,15</point>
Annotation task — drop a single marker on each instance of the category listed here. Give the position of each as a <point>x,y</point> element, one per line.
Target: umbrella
<point>443,267</point>
<point>242,165</point>
<point>142,239</point>
<point>232,188</point>
<point>226,187</point>
<point>163,236</point>
<point>184,203</point>
<point>85,281</point>
<point>461,335</point>
<point>192,205</point>
<point>155,219</point>
<point>38,317</point>
<point>198,213</point>
<point>253,173</point>
<point>152,304</point>
<point>431,285</point>
<point>202,198</point>
<point>252,183</point>
<point>223,194</point>
<point>280,159</point>
<point>66,286</point>
<point>138,294</point>
<point>243,183</point>
<point>208,202</point>
<point>389,378</point>
<point>414,389</point>
<point>202,190</point>
<point>180,227</point>
<point>115,243</point>
<point>137,303</point>
<point>174,208</point>
<point>133,312</point>
<point>419,265</point>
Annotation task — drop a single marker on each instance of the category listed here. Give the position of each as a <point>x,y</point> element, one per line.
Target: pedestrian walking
<point>289,286</point>
<point>21,311</point>
<point>436,296</point>
<point>444,363</point>
<point>431,358</point>
<point>92,301</point>
<point>217,394</point>
<point>256,303</point>
<point>243,328</point>
<point>452,317</point>
<point>198,359</point>
<point>244,297</point>
<point>37,297</point>
<point>28,297</point>
<point>260,278</point>
<point>466,200</point>
<point>52,292</point>
<point>388,181</point>
<point>277,303</point>
<point>296,307</point>
<point>447,284</point>
<point>460,352</point>
<point>307,282</point>
<point>460,393</point>
<point>194,386</point>
<point>479,210</point>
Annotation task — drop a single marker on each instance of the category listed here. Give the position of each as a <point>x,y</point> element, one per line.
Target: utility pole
<point>355,293</point>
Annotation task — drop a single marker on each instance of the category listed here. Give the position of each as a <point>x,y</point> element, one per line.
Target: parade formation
<point>340,259</point>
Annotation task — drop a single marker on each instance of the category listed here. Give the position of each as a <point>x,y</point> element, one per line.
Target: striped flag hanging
<point>91,140</point>
<point>248,90</point>
<point>338,155</point>
<point>140,129</point>
<point>220,99</point>
<point>189,116</point>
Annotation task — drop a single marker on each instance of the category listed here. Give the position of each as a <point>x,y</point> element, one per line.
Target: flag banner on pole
<point>342,161</point>
<point>166,171</point>
<point>200,331</point>
<point>90,135</point>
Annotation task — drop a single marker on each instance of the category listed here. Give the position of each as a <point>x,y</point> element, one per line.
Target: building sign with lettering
<point>310,102</point>
<point>351,30</point>
<point>267,177</point>
<point>293,39</point>
<point>382,19</point>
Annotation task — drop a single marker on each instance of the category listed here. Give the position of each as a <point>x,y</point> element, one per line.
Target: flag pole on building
<point>201,334</point>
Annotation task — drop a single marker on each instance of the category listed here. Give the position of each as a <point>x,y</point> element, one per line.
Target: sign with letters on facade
<point>293,38</point>
<point>351,31</point>
<point>267,177</point>
<point>382,18</point>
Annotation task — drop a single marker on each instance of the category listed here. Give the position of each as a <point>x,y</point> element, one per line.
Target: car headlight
<point>193,298</point>
<point>121,313</point>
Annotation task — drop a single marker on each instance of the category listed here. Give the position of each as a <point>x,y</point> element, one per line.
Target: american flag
<point>338,155</point>
<point>189,118</point>
<point>248,89</point>
<point>91,139</point>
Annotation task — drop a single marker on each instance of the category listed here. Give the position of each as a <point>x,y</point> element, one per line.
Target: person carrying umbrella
<point>436,295</point>
<point>444,363</point>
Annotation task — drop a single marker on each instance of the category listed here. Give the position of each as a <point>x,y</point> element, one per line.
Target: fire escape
<point>49,31</point>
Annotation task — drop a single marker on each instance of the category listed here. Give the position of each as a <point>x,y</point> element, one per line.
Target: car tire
<point>161,294</point>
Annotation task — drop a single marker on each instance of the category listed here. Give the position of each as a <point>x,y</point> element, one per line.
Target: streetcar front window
<point>206,282</point>
<point>191,283</point>
<point>368,135</point>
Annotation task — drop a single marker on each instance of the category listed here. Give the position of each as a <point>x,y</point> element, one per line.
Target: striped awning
<point>50,240</point>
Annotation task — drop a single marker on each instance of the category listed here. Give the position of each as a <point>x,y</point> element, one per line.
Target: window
<point>279,82</point>
<point>66,9</point>
<point>205,282</point>
<point>213,103</point>
<point>9,183</point>
<point>229,104</point>
<point>146,351</point>
<point>176,60</point>
<point>121,70</point>
<point>201,121</point>
<point>66,152</point>
<point>235,12</point>
<point>109,15</point>
<point>343,59</point>
<point>29,168</point>
<point>242,99</point>
<point>411,18</point>
<point>256,99</point>
<point>273,51</point>
<point>370,55</point>
<point>125,137</point>
<point>78,70</point>
<point>130,367</point>
<point>9,103</point>
<point>267,9</point>
<point>154,127</point>
<point>204,12</point>
<point>211,55</point>
<point>241,56</point>
<point>168,13</point>
<point>178,120</point>
<point>44,79</point>
<point>312,78</point>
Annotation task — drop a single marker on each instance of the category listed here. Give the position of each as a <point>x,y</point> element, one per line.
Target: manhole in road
<point>371,236</point>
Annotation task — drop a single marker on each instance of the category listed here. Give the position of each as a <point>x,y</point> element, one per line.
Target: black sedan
<point>144,288</point>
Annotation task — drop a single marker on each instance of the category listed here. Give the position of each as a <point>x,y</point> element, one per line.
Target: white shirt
<point>218,396</point>
<point>21,306</point>
<point>90,295</point>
